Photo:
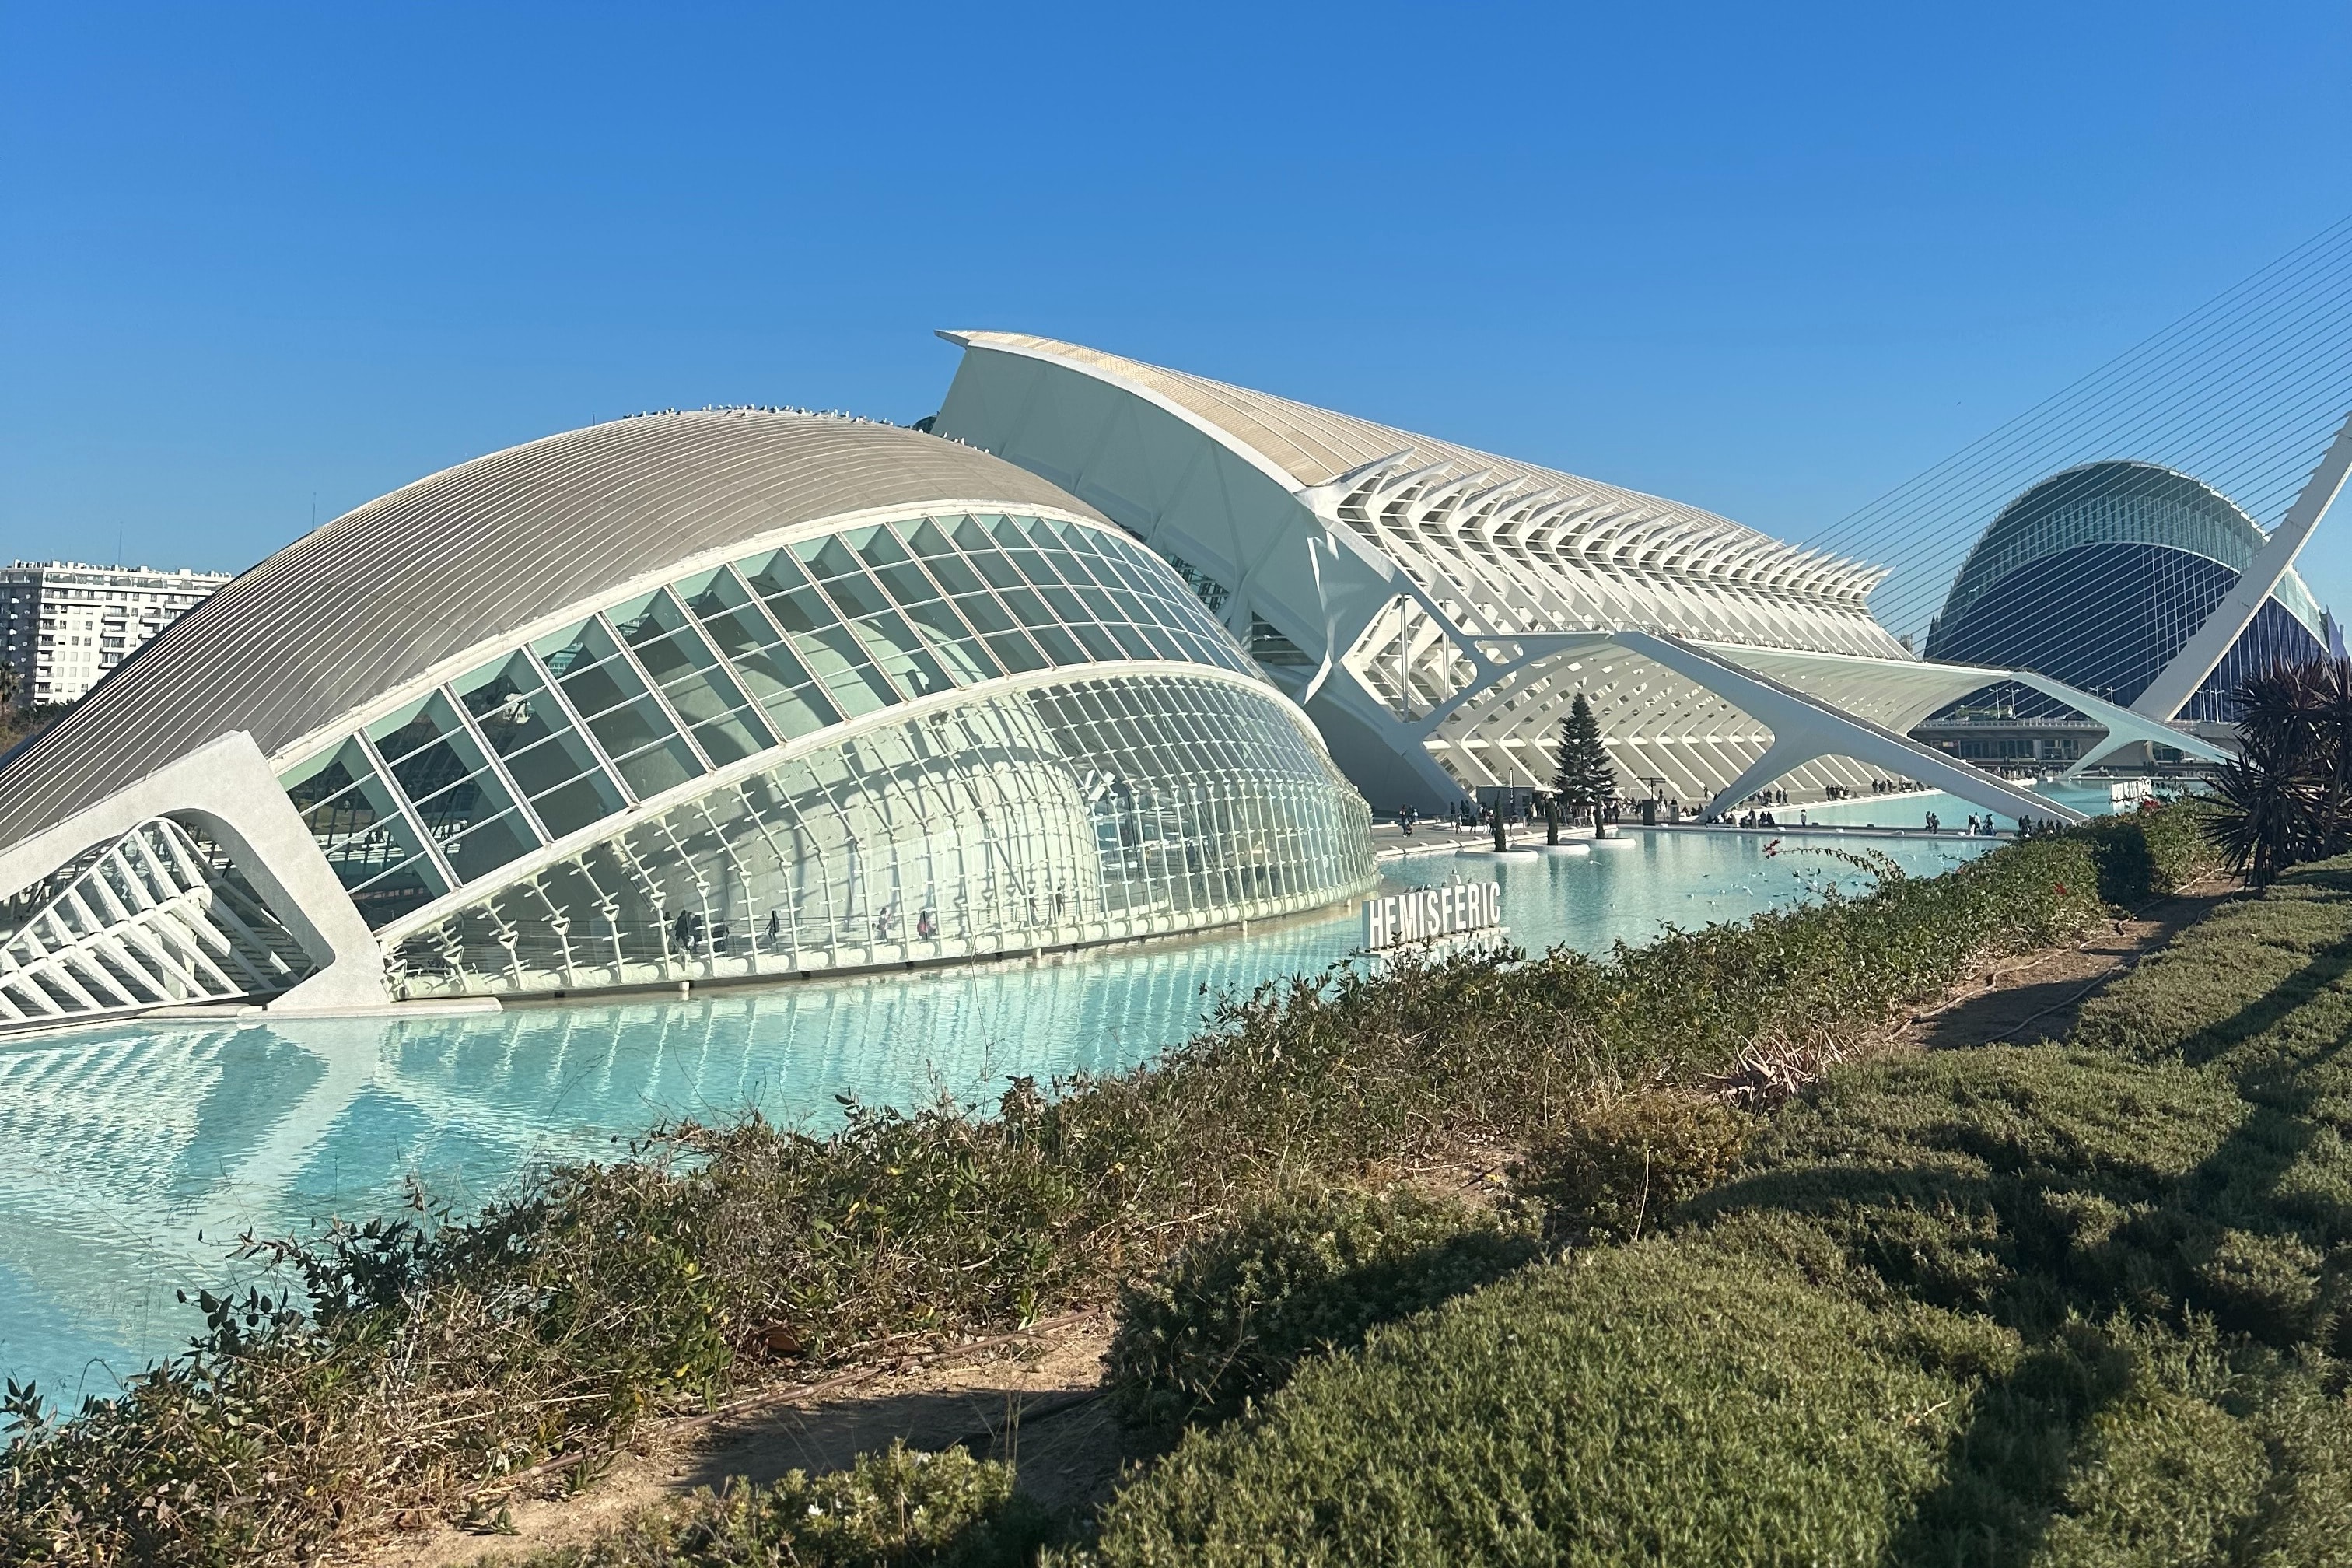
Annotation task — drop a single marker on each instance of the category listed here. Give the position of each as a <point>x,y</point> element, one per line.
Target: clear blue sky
<point>1767,259</point>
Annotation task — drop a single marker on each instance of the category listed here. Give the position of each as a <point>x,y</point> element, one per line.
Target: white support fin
<point>2178,680</point>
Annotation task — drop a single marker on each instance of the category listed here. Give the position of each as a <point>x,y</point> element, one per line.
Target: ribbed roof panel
<point>1315,446</point>
<point>386,593</point>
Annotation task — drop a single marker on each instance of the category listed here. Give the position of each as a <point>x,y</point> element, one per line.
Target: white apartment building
<point>64,625</point>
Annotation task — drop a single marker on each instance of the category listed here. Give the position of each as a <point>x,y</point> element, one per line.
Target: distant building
<point>2097,577</point>
<point>63,625</point>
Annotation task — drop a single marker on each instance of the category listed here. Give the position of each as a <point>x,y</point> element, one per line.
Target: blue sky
<point>1770,260</point>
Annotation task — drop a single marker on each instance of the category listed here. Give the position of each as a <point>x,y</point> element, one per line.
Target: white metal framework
<point>1435,608</point>
<point>153,918</point>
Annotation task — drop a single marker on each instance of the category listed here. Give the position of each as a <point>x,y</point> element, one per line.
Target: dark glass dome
<point>2097,576</point>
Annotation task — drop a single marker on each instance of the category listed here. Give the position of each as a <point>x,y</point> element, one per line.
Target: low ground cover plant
<point>1229,1318</point>
<point>2095,1292</point>
<point>424,1362</point>
<point>896,1509</point>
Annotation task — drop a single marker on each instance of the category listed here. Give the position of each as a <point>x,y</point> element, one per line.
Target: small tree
<point>1586,778</point>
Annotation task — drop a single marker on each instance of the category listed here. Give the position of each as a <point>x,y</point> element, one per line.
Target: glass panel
<point>358,825</point>
<point>1064,605</point>
<point>510,706</point>
<point>826,558</point>
<point>772,574</point>
<point>1016,545</point>
<point>488,845</point>
<point>462,805</point>
<point>877,547</point>
<point>1098,641</point>
<point>690,676</point>
<point>411,729</point>
<point>567,808</point>
<point>855,595</point>
<point>952,641</point>
<point>775,675</point>
<point>623,716</point>
<point>406,886</point>
<point>950,568</point>
<point>1131,641</point>
<point>888,561</point>
<point>901,654</point>
<point>850,678</point>
<point>659,767</point>
<point>1016,653</point>
<point>1045,626</point>
<point>441,769</point>
<point>824,645</point>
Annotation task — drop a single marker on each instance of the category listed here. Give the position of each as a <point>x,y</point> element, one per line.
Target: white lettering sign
<point>1426,914</point>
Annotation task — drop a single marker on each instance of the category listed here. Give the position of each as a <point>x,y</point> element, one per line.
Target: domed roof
<point>386,591</point>
<point>2124,501</point>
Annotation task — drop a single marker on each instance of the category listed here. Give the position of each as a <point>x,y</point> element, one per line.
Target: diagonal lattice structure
<point>152,918</point>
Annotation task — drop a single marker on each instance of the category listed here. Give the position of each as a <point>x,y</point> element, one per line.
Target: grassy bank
<point>436,1357</point>
<point>2076,1303</point>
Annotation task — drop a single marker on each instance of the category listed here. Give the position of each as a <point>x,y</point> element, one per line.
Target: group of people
<point>1877,787</point>
<point>690,933</point>
<point>1522,811</point>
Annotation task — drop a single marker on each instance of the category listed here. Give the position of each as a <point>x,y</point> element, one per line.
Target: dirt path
<point>1035,1402</point>
<point>2037,999</point>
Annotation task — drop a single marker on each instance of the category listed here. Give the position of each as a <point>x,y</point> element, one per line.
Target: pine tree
<point>1586,779</point>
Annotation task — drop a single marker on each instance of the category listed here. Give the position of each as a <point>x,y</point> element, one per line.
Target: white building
<point>63,625</point>
<point>1435,608</point>
<point>674,700</point>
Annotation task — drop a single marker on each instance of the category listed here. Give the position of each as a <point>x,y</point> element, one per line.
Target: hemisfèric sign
<point>1426,914</point>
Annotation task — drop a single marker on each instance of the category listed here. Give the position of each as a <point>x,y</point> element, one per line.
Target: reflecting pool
<point>138,1153</point>
<point>1911,810</point>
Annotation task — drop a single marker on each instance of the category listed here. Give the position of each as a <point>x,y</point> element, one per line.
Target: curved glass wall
<point>1075,812</point>
<point>2097,576</point>
<point>2118,503</point>
<point>643,697</point>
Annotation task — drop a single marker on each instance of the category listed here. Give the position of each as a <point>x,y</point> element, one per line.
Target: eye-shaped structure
<point>683,697</point>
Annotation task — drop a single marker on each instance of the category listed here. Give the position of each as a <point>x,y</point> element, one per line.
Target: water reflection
<point>138,1152</point>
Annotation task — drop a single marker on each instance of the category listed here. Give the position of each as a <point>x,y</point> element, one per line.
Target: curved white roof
<point>1308,447</point>
<point>382,594</point>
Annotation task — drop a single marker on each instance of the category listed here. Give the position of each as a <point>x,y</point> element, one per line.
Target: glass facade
<point>1031,815</point>
<point>1086,811</point>
<point>2097,577</point>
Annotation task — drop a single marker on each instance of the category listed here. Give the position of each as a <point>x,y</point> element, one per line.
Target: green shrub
<point>1659,1402</point>
<point>1232,1315</point>
<point>2112,1274</point>
<point>1974,1179</point>
<point>1616,1165</point>
<point>898,1509</point>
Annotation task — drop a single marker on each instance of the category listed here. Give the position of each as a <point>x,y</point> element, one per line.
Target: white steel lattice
<point>155,917</point>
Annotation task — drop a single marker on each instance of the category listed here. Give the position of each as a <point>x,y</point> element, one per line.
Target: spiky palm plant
<point>2287,796</point>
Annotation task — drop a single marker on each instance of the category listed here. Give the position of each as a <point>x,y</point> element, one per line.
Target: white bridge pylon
<point>2180,678</point>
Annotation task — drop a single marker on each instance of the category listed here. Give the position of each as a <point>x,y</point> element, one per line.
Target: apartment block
<point>64,625</point>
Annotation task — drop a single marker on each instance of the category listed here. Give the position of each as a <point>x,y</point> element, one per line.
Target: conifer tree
<point>1585,779</point>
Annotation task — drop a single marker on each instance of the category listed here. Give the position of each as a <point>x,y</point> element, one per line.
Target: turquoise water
<point>138,1153</point>
<point>1953,813</point>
